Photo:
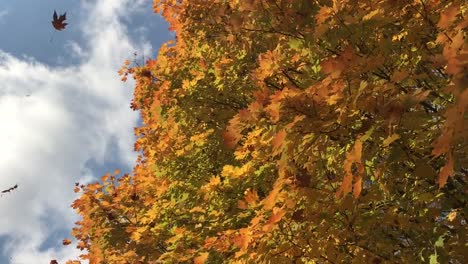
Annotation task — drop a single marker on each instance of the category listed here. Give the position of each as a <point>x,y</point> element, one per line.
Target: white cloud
<point>70,117</point>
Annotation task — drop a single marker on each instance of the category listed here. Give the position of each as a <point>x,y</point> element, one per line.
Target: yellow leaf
<point>452,215</point>
<point>371,14</point>
<point>197,209</point>
<point>389,140</point>
<point>214,181</point>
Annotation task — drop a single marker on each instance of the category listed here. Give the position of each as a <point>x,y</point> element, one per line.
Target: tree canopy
<point>293,131</point>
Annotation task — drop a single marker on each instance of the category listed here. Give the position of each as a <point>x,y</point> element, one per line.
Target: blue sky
<point>76,123</point>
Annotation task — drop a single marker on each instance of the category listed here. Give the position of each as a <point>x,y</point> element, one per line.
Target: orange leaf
<point>243,239</point>
<point>251,197</point>
<point>399,75</point>
<point>447,16</point>
<point>66,242</point>
<point>81,245</point>
<point>446,171</point>
<point>270,200</point>
<point>201,258</point>
<point>275,217</point>
<point>357,187</point>
<point>278,141</point>
<point>241,205</point>
<point>353,156</point>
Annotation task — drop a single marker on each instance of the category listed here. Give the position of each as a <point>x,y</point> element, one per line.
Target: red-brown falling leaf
<point>53,261</point>
<point>66,242</point>
<point>57,22</point>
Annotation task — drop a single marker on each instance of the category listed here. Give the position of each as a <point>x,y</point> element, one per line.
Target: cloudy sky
<point>64,112</point>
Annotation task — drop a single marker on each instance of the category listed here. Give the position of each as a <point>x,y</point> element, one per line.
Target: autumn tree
<point>290,131</point>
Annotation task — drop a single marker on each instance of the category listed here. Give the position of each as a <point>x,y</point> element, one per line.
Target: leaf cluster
<point>293,132</point>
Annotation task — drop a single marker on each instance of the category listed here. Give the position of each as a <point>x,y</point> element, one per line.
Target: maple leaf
<point>58,22</point>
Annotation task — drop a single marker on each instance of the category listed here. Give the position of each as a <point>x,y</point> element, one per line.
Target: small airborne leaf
<point>66,242</point>
<point>58,22</point>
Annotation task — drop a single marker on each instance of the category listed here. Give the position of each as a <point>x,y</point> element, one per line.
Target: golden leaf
<point>452,215</point>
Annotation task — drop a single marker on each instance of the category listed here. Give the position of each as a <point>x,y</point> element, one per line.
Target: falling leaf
<point>57,22</point>
<point>10,189</point>
<point>66,242</point>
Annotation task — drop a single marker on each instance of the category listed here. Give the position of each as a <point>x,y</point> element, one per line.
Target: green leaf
<point>295,43</point>
<point>440,242</point>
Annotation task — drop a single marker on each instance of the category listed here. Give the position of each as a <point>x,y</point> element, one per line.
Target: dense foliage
<point>293,131</point>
